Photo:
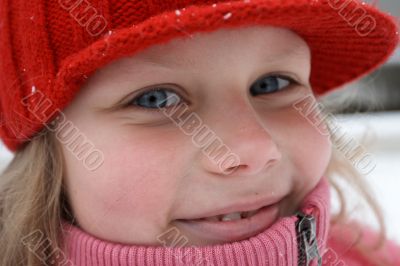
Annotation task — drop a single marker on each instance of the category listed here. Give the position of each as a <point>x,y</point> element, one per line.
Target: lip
<point>239,207</point>
<point>234,230</point>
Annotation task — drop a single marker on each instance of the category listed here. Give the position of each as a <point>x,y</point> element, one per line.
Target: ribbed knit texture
<point>277,245</point>
<point>49,48</point>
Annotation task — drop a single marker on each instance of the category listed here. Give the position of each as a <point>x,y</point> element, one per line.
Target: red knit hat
<point>49,48</point>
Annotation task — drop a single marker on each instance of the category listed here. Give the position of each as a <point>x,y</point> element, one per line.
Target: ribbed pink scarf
<point>277,245</point>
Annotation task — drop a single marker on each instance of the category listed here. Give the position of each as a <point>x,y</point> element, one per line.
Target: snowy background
<point>384,130</point>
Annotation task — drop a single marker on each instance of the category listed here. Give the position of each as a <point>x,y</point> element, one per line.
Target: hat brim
<point>341,49</point>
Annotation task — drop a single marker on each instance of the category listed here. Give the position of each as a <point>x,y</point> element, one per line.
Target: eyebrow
<point>147,64</point>
<point>175,62</point>
<point>188,62</point>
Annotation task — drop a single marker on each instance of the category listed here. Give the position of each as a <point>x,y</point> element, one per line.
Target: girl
<point>183,132</point>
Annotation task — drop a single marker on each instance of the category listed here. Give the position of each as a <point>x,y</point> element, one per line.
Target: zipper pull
<point>307,242</point>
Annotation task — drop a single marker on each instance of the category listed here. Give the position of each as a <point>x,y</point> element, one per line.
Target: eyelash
<point>151,110</point>
<point>292,83</point>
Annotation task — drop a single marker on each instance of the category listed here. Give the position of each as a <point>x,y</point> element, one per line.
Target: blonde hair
<point>32,197</point>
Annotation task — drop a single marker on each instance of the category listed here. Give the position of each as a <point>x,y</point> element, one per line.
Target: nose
<point>243,144</point>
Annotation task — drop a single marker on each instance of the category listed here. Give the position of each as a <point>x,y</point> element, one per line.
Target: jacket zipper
<point>307,242</point>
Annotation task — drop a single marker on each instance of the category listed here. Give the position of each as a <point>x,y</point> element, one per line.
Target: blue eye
<point>155,99</point>
<point>270,84</point>
<point>160,97</point>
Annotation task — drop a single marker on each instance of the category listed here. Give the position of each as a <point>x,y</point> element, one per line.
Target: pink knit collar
<point>277,245</point>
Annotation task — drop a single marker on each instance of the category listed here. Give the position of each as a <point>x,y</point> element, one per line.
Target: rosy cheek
<point>307,149</point>
<point>315,150</point>
<point>135,177</point>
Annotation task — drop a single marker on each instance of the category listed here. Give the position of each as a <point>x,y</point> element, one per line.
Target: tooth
<point>231,216</point>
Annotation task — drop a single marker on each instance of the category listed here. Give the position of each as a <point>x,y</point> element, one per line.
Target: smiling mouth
<point>230,216</point>
<point>233,226</point>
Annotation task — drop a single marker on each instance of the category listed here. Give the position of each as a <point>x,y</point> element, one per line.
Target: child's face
<point>153,173</point>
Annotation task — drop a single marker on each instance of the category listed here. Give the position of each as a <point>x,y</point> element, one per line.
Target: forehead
<point>266,43</point>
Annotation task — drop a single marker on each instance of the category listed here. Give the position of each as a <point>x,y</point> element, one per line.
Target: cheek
<point>307,152</point>
<point>310,150</point>
<point>134,180</point>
